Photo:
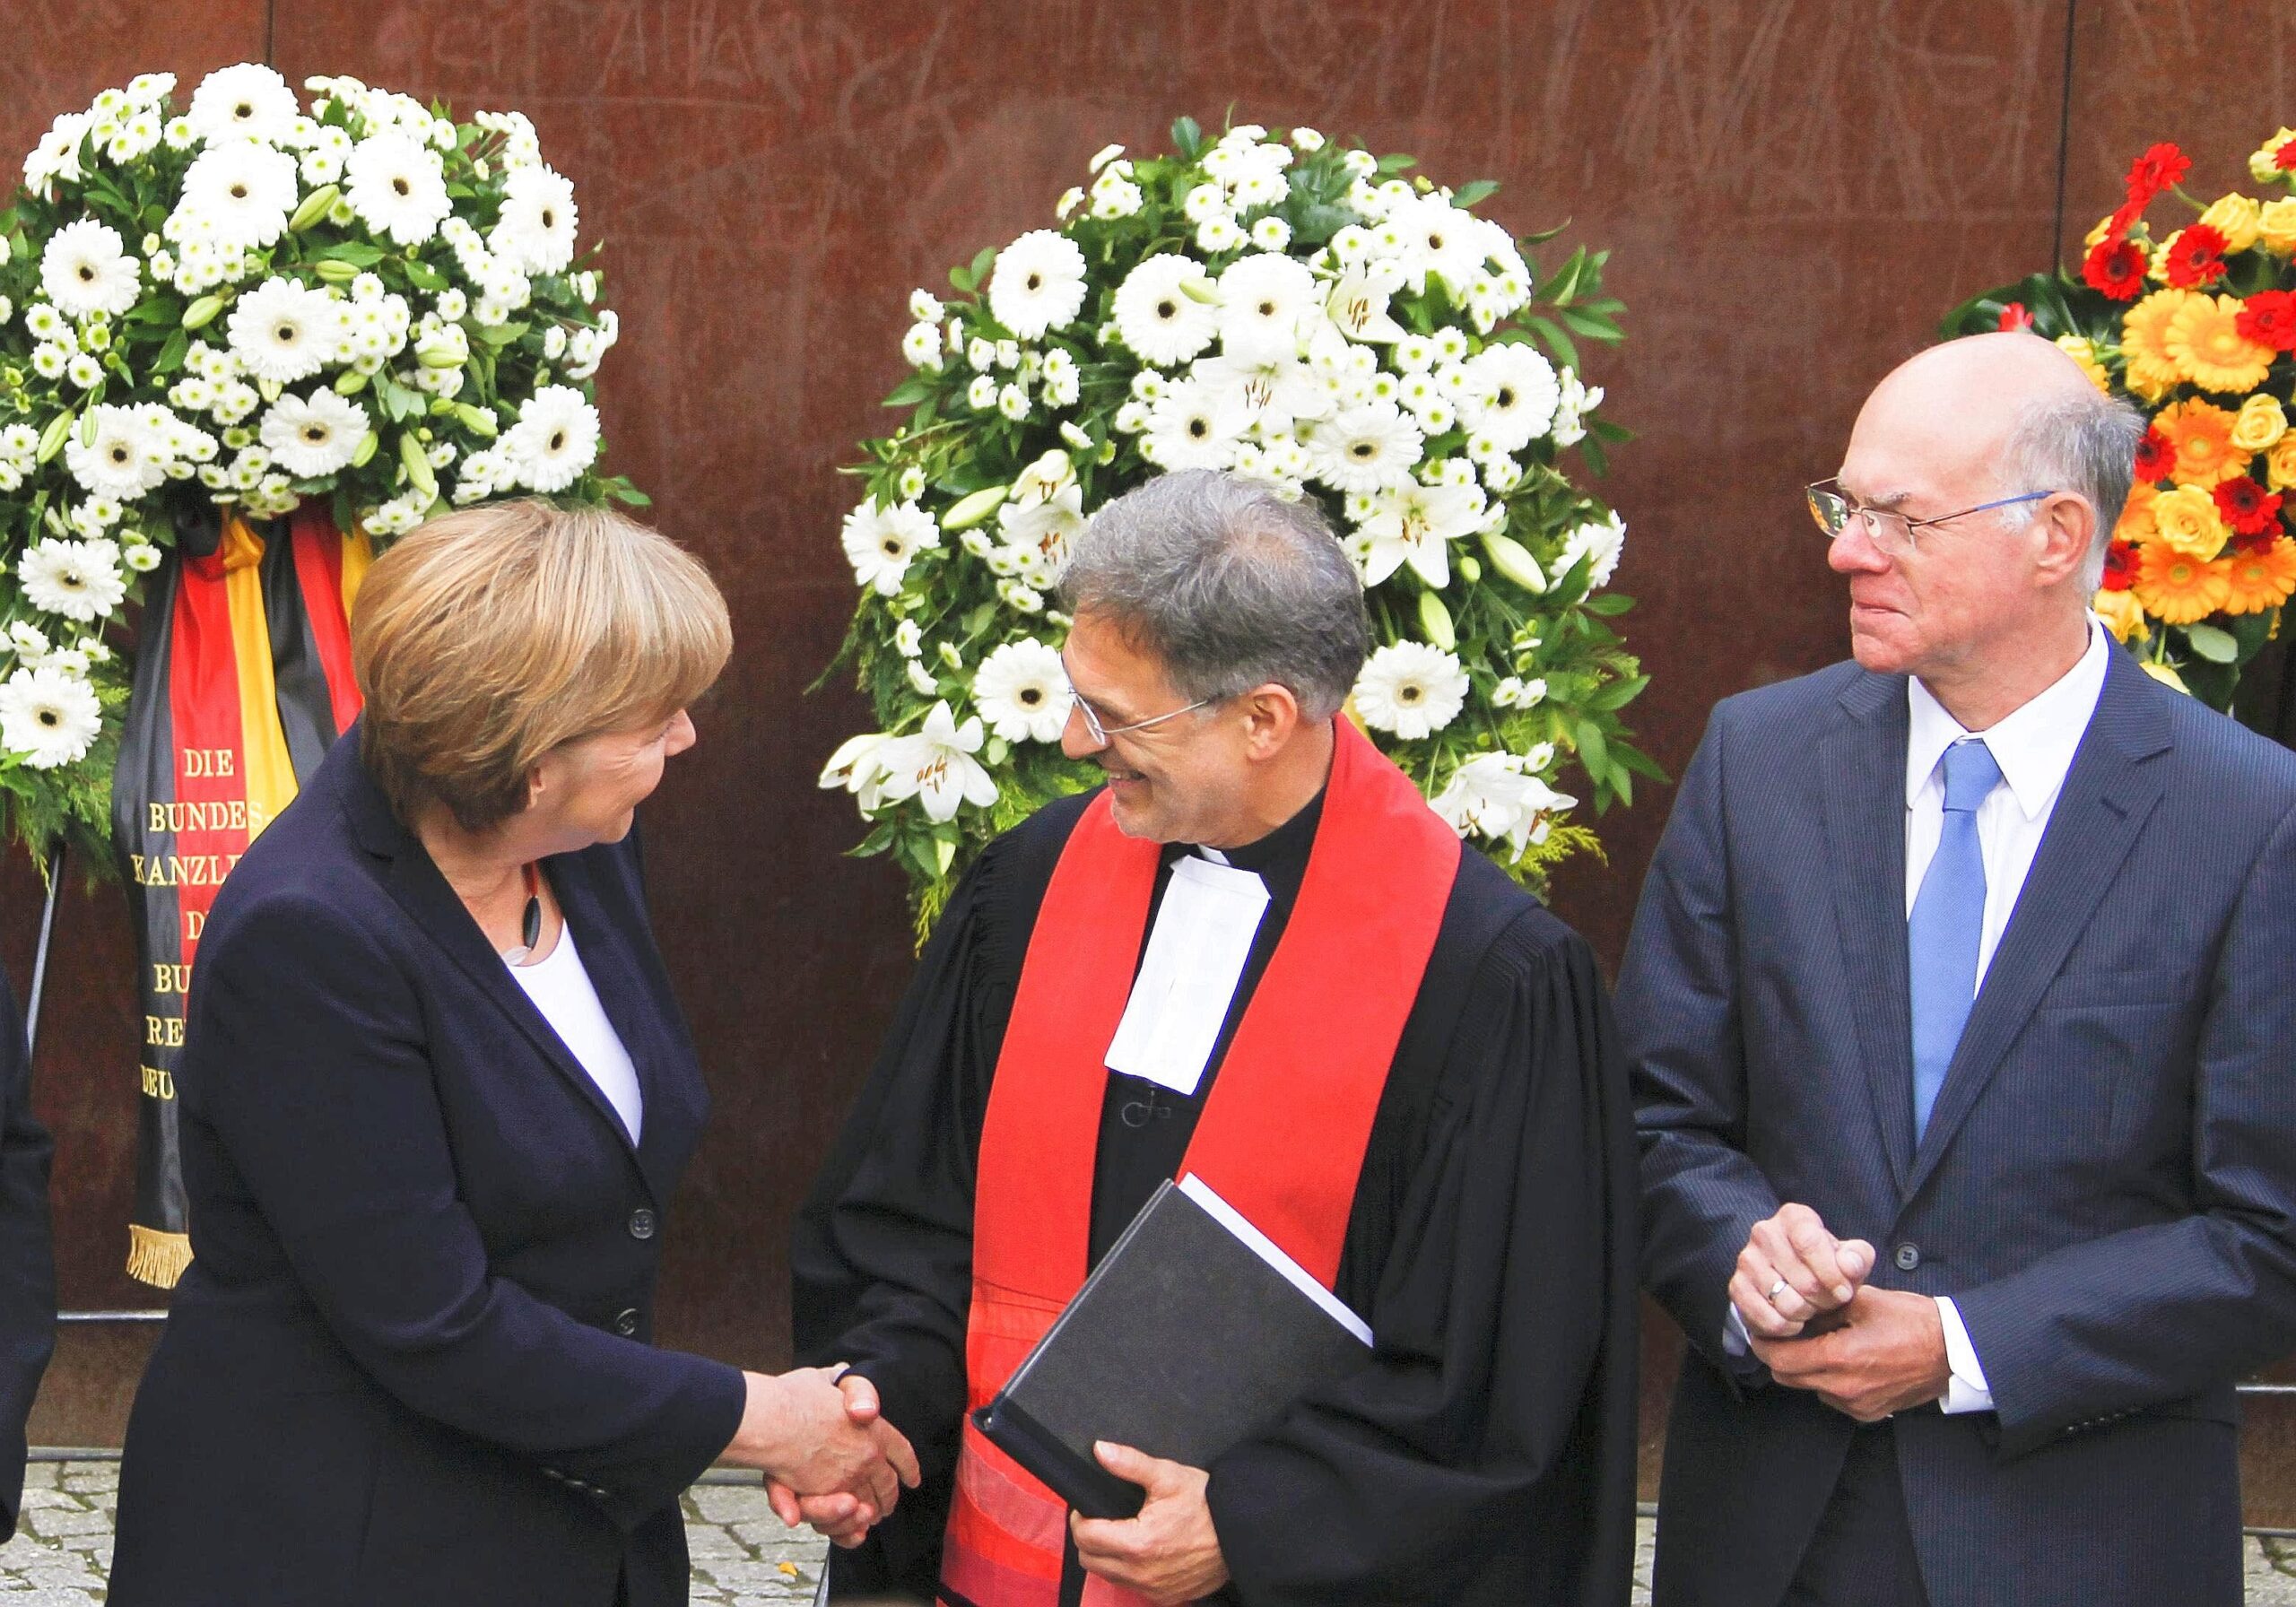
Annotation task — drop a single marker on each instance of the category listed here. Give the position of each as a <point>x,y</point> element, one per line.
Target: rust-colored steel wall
<point>1795,190</point>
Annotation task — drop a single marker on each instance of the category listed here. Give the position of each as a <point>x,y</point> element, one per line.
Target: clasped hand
<point>1866,1352</point>
<point>817,1437</point>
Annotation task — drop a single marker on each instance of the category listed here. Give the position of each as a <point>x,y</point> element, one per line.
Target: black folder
<point>1193,1331</point>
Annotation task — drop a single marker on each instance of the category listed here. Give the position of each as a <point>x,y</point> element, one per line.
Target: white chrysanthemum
<point>79,580</point>
<point>1410,689</point>
<point>314,435</point>
<point>922,346</point>
<point>1500,797</point>
<point>537,225</point>
<point>394,182</point>
<point>1600,544</point>
<point>1579,399</point>
<point>1514,393</point>
<point>50,718</point>
<point>1022,692</point>
<point>880,540</point>
<point>282,332</point>
<point>1155,316</point>
<point>248,101</point>
<point>238,194</point>
<point>1184,430</point>
<point>1440,238</point>
<point>1262,299</point>
<point>1038,284</point>
<point>122,456</point>
<point>1414,524</point>
<point>555,440</point>
<point>1367,448</point>
<point>85,269</point>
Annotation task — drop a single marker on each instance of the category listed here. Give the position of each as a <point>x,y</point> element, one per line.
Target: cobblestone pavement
<point>742,1555</point>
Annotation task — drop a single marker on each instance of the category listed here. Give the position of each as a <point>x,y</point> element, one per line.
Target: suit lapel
<point>2108,795</point>
<point>1863,758</point>
<point>642,1017</point>
<point>415,883</point>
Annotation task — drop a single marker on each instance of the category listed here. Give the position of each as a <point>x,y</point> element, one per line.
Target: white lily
<point>1358,304</point>
<point>1500,797</point>
<point>937,766</point>
<point>858,767</point>
<point>1414,524</point>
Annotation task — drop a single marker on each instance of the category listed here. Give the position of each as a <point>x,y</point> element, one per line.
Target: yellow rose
<point>2123,616</point>
<point>2264,166</point>
<point>2082,351</point>
<point>2163,674</point>
<point>2233,216</point>
<point>2276,226</point>
<point>2185,517</point>
<point>2096,236</point>
<point>2280,467</point>
<point>2259,424</point>
<point>2156,266</point>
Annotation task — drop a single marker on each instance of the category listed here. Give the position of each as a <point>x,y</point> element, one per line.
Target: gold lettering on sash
<point>157,1084</point>
<point>180,870</point>
<point>215,762</point>
<point>221,815</point>
<point>195,922</point>
<point>171,979</point>
<point>163,1031</point>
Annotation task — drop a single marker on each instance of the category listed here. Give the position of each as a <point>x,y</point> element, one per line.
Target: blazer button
<point>626,1323</point>
<point>641,1223</point>
<point>1909,1256</point>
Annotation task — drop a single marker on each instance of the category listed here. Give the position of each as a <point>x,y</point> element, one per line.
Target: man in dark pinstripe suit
<point>1959,1001</point>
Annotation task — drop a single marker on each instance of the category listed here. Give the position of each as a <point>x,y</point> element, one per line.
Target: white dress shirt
<point>2034,746</point>
<point>560,985</point>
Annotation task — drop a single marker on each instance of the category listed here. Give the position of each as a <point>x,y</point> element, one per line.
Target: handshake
<point>828,1458</point>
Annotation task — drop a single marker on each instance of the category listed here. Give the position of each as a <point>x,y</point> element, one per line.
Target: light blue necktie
<point>1948,918</point>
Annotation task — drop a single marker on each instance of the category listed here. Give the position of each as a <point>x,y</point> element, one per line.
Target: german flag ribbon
<point>242,682</point>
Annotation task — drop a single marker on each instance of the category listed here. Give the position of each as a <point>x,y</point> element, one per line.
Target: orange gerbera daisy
<point>2177,588</point>
<point>2137,514</point>
<point>2202,434</point>
<point>2151,371</point>
<point>2204,340</point>
<point>2261,577</point>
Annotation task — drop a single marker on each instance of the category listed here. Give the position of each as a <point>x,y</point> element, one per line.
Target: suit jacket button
<point>1909,1256</point>
<point>626,1323</point>
<point>641,1223</point>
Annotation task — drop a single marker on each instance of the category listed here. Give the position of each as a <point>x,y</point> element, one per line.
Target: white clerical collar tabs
<point>1187,978</point>
<point>1212,854</point>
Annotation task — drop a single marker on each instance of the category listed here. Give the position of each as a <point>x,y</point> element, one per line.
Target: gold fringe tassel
<point>155,1258</point>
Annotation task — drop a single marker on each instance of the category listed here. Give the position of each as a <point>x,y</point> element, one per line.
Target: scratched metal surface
<point>1794,192</point>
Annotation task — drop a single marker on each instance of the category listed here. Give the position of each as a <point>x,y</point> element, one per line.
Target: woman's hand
<point>819,1438</point>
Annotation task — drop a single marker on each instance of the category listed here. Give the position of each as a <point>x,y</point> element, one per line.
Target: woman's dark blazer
<point>411,1362</point>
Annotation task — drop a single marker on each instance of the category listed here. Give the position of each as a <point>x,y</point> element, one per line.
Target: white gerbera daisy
<point>1156,317</point>
<point>1410,689</point>
<point>1038,284</point>
<point>1022,692</point>
<point>314,435</point>
<point>86,269</point>
<point>238,194</point>
<point>121,458</point>
<point>537,225</point>
<point>394,182</point>
<point>1439,237</point>
<point>48,716</point>
<point>1414,524</point>
<point>1514,392</point>
<point>1261,301</point>
<point>880,540</point>
<point>283,331</point>
<point>79,580</point>
<point>1367,448</point>
<point>555,440</point>
<point>248,101</point>
<point>1183,429</point>
<point>57,155</point>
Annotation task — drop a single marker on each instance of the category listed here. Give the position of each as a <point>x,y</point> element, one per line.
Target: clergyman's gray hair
<point>1230,586</point>
<point>2083,443</point>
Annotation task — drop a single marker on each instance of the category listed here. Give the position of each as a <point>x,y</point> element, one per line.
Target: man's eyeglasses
<point>1891,532</point>
<point>1101,732</point>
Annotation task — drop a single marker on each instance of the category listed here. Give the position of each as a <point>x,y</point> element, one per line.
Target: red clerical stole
<point>1281,1136</point>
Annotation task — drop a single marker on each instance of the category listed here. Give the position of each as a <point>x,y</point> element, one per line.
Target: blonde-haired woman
<point>435,1098</point>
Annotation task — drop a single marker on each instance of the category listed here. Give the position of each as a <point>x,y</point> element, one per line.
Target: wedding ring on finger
<point>1776,1289</point>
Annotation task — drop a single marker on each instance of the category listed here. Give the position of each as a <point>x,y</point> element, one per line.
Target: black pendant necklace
<point>530,922</point>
